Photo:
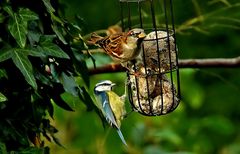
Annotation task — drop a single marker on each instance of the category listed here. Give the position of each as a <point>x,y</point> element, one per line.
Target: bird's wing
<point>117,106</point>
<point>107,110</point>
<point>112,45</point>
<point>94,39</point>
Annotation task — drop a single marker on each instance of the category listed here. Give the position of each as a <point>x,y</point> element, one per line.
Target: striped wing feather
<point>113,44</point>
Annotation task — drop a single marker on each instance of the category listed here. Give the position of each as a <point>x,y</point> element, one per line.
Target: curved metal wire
<point>153,83</point>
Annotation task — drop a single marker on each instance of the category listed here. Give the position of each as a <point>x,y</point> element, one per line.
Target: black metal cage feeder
<point>153,83</point>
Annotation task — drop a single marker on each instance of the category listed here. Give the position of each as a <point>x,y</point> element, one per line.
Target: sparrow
<point>122,46</point>
<point>111,105</point>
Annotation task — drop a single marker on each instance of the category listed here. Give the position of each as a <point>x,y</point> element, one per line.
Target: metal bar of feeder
<point>176,51</point>
<point>158,52</point>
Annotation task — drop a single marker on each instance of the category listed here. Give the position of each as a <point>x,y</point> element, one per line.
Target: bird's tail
<point>95,38</point>
<point>121,136</point>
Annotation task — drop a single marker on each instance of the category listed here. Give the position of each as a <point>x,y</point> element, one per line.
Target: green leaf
<point>2,17</point>
<point>50,108</point>
<point>47,38</point>
<point>44,80</point>
<point>81,66</point>
<point>59,33</point>
<point>18,29</point>
<point>54,72</point>
<point>2,98</point>
<point>69,84</point>
<point>9,10</point>
<point>33,150</point>
<point>3,73</point>
<point>33,52</point>
<point>33,37</point>
<point>48,6</point>
<point>56,19</point>
<point>87,100</point>
<point>50,49</point>
<point>57,141</point>
<point>5,54</point>
<point>27,14</point>
<point>73,29</point>
<point>24,65</point>
<point>61,103</point>
<point>3,148</point>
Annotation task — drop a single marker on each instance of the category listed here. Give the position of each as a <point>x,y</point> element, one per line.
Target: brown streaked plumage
<point>122,47</point>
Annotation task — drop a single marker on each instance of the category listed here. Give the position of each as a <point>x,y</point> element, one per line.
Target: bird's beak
<point>113,84</point>
<point>141,35</point>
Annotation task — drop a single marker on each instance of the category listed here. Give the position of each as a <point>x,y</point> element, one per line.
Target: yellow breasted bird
<point>111,105</point>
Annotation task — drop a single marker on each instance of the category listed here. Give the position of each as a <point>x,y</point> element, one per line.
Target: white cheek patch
<point>103,88</point>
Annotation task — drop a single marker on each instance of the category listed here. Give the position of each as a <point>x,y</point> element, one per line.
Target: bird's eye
<point>132,33</point>
<point>138,33</point>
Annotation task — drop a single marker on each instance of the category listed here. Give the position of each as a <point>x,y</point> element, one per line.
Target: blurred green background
<point>207,119</point>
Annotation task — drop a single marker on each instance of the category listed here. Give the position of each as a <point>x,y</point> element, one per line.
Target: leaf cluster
<point>40,59</point>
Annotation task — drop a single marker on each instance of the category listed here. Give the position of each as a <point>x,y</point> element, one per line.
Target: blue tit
<point>111,105</point>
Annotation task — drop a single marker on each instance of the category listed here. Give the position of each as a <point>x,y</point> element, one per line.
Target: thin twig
<point>184,63</point>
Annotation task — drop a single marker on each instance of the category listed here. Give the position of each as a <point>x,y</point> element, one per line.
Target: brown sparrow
<point>121,47</point>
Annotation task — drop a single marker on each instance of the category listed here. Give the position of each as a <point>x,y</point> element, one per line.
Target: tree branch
<point>184,63</point>
<point>211,62</point>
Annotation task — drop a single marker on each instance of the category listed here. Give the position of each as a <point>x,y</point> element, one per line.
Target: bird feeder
<point>153,81</point>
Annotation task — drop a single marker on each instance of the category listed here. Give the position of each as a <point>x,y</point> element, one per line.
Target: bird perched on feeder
<point>111,105</point>
<point>121,47</point>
